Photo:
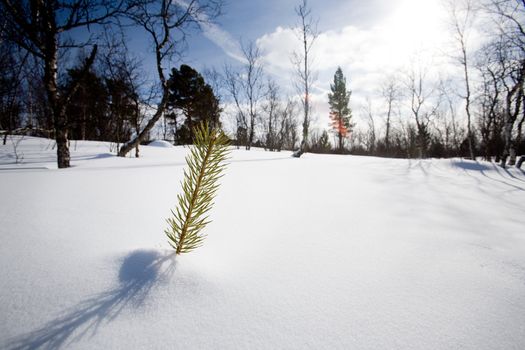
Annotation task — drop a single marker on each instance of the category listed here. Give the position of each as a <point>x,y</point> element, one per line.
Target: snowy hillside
<point>321,252</point>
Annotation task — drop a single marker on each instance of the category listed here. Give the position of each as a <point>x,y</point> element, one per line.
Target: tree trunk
<point>83,125</point>
<point>510,117</point>
<point>134,143</point>
<point>467,107</point>
<point>137,126</point>
<point>269,140</point>
<point>58,104</point>
<point>520,162</point>
<point>58,113</point>
<point>509,150</point>
<point>387,136</point>
<point>252,132</point>
<point>306,82</point>
<point>512,156</point>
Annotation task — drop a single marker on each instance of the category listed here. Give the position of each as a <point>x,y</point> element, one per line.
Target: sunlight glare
<point>416,28</point>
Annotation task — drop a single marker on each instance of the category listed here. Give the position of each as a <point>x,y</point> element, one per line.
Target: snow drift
<point>324,251</point>
<point>160,143</point>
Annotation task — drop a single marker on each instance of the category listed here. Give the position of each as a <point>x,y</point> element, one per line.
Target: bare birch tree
<point>123,68</point>
<point>462,14</point>
<point>370,137</point>
<point>420,95</point>
<point>271,110</point>
<point>490,103</point>
<point>233,87</point>
<point>508,52</point>
<point>302,62</point>
<point>41,28</point>
<point>390,93</point>
<point>166,23</point>
<point>246,88</point>
<point>288,134</point>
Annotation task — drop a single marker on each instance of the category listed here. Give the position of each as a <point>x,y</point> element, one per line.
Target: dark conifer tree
<point>123,104</point>
<point>191,97</point>
<point>340,112</point>
<point>87,108</point>
<point>10,89</point>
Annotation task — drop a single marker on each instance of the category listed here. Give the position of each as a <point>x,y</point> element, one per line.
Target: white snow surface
<point>160,143</point>
<point>321,252</point>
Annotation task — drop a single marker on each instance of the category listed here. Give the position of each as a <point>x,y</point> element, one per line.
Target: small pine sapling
<point>205,166</point>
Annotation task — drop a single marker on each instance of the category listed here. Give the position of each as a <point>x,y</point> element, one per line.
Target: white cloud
<point>216,34</point>
<point>224,40</point>
<point>413,33</point>
<point>416,30</point>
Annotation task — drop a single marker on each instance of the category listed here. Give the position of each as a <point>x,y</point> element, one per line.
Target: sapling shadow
<point>140,272</point>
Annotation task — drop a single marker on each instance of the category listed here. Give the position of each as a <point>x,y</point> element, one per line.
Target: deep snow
<point>160,143</point>
<point>324,251</point>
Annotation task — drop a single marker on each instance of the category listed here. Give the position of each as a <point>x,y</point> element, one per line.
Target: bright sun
<point>417,26</point>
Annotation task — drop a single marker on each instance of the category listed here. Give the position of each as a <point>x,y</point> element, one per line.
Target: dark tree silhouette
<point>166,23</point>
<point>190,96</point>
<point>41,28</point>
<point>87,108</point>
<point>340,112</point>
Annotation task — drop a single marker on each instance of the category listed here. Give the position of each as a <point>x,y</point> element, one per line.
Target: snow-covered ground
<point>321,252</point>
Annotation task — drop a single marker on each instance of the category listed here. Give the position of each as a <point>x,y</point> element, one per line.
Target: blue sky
<point>249,20</point>
<point>370,40</point>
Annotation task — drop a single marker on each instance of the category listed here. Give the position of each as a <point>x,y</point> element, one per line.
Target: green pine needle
<point>205,166</point>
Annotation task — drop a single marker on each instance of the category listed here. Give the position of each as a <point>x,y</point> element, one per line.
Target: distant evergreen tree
<point>324,142</point>
<point>190,95</point>
<point>423,139</point>
<point>340,112</point>
<point>101,108</point>
<point>242,136</point>
<point>11,93</point>
<point>123,109</point>
<point>87,108</point>
<point>320,143</point>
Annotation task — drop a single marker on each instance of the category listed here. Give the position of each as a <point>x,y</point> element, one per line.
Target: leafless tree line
<point>43,30</point>
<point>263,116</point>
<point>423,116</point>
<point>418,115</point>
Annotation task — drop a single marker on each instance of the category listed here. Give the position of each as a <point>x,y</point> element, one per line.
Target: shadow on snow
<point>470,165</point>
<point>140,271</point>
<point>483,170</point>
